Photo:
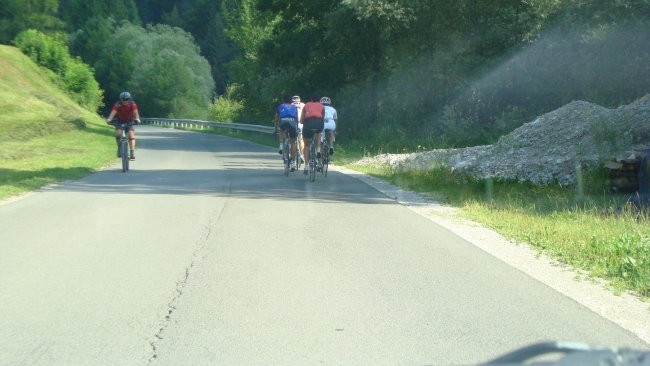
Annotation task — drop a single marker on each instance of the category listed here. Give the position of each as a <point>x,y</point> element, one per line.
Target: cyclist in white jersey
<point>330,122</point>
<point>295,100</point>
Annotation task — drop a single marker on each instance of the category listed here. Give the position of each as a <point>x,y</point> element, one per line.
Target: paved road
<point>206,254</point>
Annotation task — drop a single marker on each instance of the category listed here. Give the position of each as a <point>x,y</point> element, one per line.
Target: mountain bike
<point>123,146</point>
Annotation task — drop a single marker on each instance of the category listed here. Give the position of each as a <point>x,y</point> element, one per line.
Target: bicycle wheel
<point>326,162</point>
<point>286,156</point>
<point>312,163</point>
<point>298,157</point>
<point>124,148</point>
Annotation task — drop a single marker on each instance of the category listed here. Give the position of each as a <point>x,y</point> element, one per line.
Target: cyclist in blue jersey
<point>286,118</point>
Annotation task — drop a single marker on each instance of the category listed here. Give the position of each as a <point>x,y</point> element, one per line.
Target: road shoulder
<point>625,310</point>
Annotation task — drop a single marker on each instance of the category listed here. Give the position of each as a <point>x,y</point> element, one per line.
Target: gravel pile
<point>548,149</point>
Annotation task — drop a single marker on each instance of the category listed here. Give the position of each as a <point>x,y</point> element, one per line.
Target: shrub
<point>76,78</point>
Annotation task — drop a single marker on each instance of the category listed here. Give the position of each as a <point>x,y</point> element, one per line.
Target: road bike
<point>314,165</point>
<point>123,146</point>
<point>325,161</point>
<point>299,157</point>
<point>286,155</point>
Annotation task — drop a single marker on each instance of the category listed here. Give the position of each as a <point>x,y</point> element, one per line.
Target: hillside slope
<point>31,104</point>
<point>44,135</point>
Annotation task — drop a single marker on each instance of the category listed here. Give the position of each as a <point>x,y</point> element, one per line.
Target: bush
<point>161,66</point>
<point>225,108</point>
<point>75,77</point>
<point>79,80</point>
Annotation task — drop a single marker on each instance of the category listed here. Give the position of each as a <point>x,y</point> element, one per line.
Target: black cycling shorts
<point>312,126</point>
<point>129,125</point>
<point>290,126</point>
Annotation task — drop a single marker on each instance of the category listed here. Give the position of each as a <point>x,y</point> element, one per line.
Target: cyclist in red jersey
<point>126,111</point>
<point>312,116</point>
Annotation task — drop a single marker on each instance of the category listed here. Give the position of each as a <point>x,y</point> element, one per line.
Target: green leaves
<point>77,78</point>
<point>162,67</point>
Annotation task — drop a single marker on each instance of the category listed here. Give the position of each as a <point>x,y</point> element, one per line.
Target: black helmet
<point>125,95</point>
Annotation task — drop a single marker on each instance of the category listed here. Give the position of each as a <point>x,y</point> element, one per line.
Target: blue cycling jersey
<point>286,110</point>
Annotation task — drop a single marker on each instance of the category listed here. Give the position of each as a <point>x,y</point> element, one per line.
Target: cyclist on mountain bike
<point>286,117</point>
<point>127,112</point>
<point>330,122</point>
<point>312,116</point>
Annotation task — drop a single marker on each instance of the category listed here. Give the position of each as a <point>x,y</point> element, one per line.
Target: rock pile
<point>549,149</point>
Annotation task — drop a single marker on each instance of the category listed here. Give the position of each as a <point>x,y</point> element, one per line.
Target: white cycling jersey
<point>299,107</point>
<point>330,118</point>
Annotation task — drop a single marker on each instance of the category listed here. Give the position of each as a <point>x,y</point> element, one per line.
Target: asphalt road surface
<point>206,254</point>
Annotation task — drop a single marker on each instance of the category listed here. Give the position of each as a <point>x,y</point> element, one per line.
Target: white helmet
<point>326,100</point>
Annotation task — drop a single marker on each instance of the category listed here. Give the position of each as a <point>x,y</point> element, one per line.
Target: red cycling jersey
<point>125,112</point>
<point>314,110</point>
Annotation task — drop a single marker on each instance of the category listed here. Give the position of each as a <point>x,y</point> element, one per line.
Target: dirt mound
<point>548,149</point>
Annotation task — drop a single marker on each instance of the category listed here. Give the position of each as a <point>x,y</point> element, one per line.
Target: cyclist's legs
<point>288,131</point>
<point>330,127</point>
<point>310,135</point>
<point>301,145</point>
<point>118,135</point>
<point>131,139</point>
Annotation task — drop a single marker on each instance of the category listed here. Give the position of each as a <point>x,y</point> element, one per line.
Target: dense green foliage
<point>429,72</point>
<point>201,18</point>
<point>77,12</point>
<point>443,73</point>
<point>225,108</point>
<point>76,77</point>
<point>162,68</point>
<point>19,15</point>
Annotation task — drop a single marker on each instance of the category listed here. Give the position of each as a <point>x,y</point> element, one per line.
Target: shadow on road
<point>234,182</point>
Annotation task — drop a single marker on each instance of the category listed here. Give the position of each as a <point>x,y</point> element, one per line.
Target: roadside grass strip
<point>25,166</point>
<point>598,233</point>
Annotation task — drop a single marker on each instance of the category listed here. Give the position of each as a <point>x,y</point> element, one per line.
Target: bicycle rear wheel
<point>124,152</point>
<point>312,162</point>
<point>286,156</point>
<point>326,162</point>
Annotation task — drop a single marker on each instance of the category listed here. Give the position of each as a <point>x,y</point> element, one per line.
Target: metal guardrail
<point>194,123</point>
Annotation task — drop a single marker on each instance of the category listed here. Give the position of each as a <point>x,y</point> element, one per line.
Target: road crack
<point>197,255</point>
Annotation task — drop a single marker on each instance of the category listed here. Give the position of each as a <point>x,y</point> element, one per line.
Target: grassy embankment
<point>45,136</point>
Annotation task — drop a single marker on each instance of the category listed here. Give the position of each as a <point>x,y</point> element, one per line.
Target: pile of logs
<point>623,174</point>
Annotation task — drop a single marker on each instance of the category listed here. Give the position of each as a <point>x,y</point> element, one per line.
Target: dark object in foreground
<point>573,354</point>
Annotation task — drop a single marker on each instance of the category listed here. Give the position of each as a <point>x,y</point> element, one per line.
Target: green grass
<point>45,136</point>
<point>596,232</point>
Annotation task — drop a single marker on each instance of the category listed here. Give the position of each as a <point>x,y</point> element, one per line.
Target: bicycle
<point>325,154</point>
<point>286,155</point>
<point>313,163</point>
<point>123,147</point>
<point>299,157</point>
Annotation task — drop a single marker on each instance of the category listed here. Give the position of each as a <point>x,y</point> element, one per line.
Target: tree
<point>77,12</point>
<point>72,74</point>
<point>163,69</point>
<point>19,15</point>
